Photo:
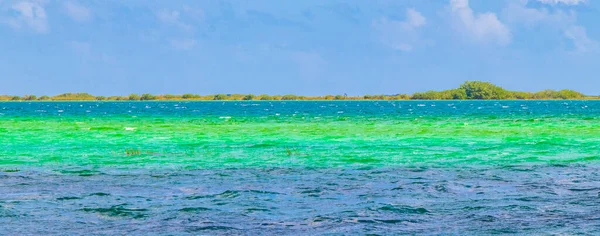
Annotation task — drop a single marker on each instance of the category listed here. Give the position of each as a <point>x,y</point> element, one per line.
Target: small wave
<point>254,209</point>
<point>262,145</point>
<point>487,218</point>
<point>210,228</point>
<point>392,221</point>
<point>119,211</point>
<point>194,209</point>
<point>404,209</point>
<point>67,198</point>
<point>103,128</point>
<point>81,172</point>
<point>226,194</point>
<point>583,189</point>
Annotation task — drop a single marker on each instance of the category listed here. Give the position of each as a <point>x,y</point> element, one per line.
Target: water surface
<point>425,167</point>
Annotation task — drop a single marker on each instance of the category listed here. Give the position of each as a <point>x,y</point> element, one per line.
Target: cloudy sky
<point>309,47</point>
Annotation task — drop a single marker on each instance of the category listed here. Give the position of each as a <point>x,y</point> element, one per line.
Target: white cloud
<point>414,18</point>
<point>481,27</point>
<point>77,12</point>
<point>29,14</point>
<point>567,2</point>
<point>175,25</point>
<point>580,39</point>
<point>519,13</point>
<point>195,14</point>
<point>401,35</point>
<point>173,18</point>
<point>168,16</point>
<point>183,44</point>
<point>564,22</point>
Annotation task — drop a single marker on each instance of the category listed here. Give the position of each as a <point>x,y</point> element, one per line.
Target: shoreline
<point>316,100</point>
<point>470,90</point>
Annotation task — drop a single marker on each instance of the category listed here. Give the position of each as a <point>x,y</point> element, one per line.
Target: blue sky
<point>309,47</point>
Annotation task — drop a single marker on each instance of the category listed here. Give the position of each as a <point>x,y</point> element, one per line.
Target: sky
<point>308,47</point>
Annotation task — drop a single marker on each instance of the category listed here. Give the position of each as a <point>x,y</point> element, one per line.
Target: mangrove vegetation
<point>470,90</point>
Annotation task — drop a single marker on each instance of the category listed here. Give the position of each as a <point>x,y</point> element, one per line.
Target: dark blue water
<point>324,108</point>
<point>508,200</point>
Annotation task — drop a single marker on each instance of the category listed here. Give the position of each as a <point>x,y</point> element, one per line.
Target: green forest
<point>470,90</point>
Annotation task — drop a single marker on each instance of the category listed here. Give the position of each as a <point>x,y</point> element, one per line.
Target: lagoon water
<point>300,167</point>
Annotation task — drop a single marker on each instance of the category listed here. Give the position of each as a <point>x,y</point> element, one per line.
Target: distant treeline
<point>470,90</point>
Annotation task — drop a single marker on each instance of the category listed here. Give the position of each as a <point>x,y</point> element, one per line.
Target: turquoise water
<point>424,167</point>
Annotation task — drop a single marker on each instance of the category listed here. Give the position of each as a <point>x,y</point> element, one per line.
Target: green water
<point>287,139</point>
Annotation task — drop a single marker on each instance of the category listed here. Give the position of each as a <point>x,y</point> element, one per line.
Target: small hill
<point>478,90</point>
